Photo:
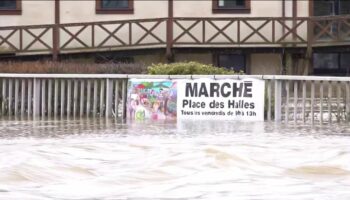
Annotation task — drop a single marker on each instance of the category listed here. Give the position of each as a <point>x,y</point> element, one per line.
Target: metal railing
<point>298,99</point>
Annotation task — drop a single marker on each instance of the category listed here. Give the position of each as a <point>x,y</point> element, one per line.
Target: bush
<point>187,68</point>
<point>71,67</point>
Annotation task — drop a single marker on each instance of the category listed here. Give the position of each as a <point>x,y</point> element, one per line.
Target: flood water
<point>97,159</point>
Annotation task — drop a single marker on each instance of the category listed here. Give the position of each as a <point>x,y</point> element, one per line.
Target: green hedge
<point>185,68</point>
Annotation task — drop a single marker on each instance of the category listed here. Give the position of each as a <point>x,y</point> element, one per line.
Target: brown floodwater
<point>101,159</point>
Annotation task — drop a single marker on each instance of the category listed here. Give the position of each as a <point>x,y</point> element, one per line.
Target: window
<point>231,6</point>
<point>332,63</point>
<point>331,7</point>
<point>10,7</point>
<point>114,6</point>
<point>236,62</point>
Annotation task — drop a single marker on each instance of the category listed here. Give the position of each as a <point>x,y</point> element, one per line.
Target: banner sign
<point>200,99</point>
<point>228,99</point>
<point>151,99</point>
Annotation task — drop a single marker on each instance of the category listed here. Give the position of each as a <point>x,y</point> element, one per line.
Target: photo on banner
<point>151,99</point>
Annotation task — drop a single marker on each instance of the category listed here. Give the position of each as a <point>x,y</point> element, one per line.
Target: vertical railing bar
<point>55,105</point>
<point>29,100</point>
<point>269,97</point>
<point>278,100</point>
<point>109,94</point>
<point>312,101</point>
<point>347,104</point>
<point>93,35</point>
<point>23,93</point>
<point>43,97</point>
<point>273,31</point>
<point>49,99</point>
<point>36,98</point>
<point>287,102</point>
<point>304,100</point>
<point>4,98</point>
<point>124,94</point>
<point>203,31</point>
<point>238,31</point>
<point>63,97</point>
<point>94,107</point>
<point>75,98</point>
<point>321,102</point>
<point>338,101</point>
<point>102,94</point>
<point>295,100</point>
<point>88,101</point>
<point>116,98</point>
<point>16,96</point>
<point>130,33</point>
<point>69,98</point>
<point>329,102</point>
<point>10,97</point>
<point>82,97</point>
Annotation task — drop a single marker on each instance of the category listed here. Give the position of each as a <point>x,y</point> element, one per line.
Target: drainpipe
<point>169,38</point>
<point>56,33</point>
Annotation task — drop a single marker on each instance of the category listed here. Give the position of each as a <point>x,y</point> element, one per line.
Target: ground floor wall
<point>253,61</point>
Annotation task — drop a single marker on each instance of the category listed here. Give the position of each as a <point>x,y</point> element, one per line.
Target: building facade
<point>254,36</point>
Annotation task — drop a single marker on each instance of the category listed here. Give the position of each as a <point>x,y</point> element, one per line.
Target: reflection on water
<point>98,159</point>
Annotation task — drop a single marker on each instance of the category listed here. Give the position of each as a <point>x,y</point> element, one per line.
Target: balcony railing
<point>305,32</point>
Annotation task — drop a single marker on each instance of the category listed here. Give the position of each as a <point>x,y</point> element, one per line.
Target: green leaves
<point>188,68</point>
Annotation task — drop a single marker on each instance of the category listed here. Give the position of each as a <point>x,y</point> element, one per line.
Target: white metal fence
<point>298,99</point>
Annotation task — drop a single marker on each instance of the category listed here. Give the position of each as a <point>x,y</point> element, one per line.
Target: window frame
<point>16,11</point>
<point>217,62</point>
<point>339,71</point>
<point>238,10</point>
<point>128,10</point>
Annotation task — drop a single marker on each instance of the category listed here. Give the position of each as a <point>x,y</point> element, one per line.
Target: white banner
<point>208,99</point>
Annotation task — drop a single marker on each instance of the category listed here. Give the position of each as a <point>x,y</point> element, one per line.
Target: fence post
<point>124,94</point>
<point>278,100</point>
<point>109,92</point>
<point>36,98</point>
